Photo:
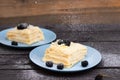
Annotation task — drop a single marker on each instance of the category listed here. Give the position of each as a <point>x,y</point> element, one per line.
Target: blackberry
<point>14,43</point>
<point>60,66</point>
<point>22,26</point>
<point>67,42</point>
<point>49,63</point>
<point>84,63</point>
<point>60,42</point>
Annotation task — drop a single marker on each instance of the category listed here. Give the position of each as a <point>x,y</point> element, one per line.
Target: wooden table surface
<point>95,23</point>
<point>16,65</point>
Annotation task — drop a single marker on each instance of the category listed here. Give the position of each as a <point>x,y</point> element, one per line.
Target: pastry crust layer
<point>68,55</point>
<point>28,36</point>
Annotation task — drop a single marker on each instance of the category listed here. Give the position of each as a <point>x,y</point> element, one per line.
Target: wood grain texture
<point>105,38</point>
<point>40,7</point>
<point>61,11</point>
<point>16,65</point>
<point>18,59</point>
<point>112,74</point>
<point>90,36</point>
<point>73,19</point>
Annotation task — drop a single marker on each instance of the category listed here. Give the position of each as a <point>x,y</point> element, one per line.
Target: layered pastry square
<point>25,33</point>
<point>65,52</point>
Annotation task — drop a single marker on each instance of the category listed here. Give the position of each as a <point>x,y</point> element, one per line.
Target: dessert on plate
<point>65,52</point>
<point>25,33</point>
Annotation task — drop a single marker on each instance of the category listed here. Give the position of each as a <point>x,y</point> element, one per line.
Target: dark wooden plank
<point>87,36</point>
<point>67,19</point>
<point>9,50</point>
<point>40,7</point>
<point>13,59</point>
<point>111,74</point>
<point>90,36</point>
<point>81,27</point>
<point>104,47</point>
<point>63,26</point>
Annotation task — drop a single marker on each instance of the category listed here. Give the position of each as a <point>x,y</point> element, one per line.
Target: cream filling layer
<point>25,36</point>
<point>68,60</point>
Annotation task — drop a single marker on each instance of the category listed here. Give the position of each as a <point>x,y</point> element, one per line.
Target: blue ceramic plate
<point>93,57</point>
<point>49,37</point>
